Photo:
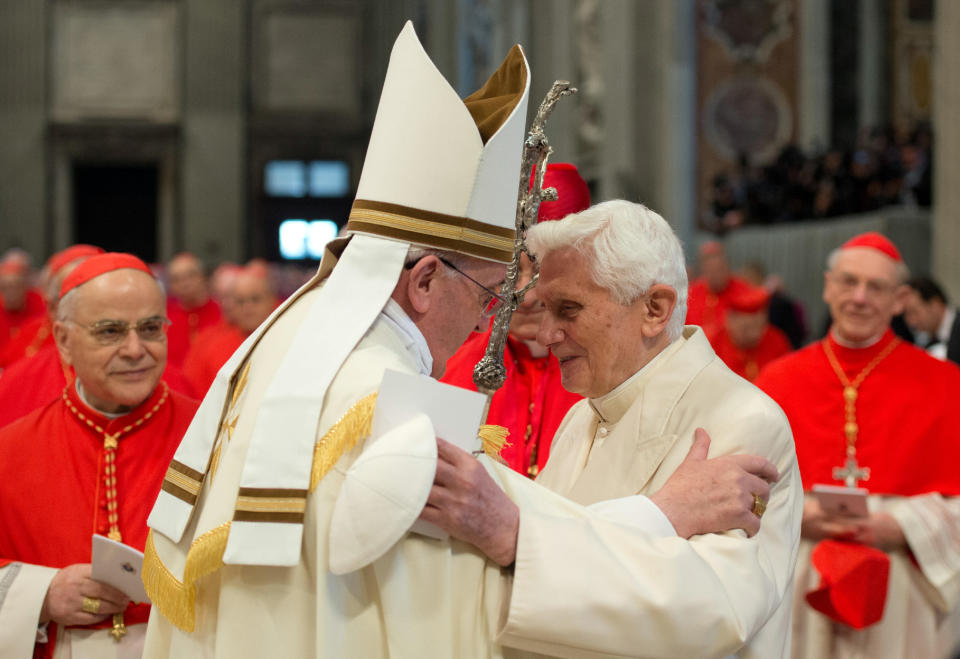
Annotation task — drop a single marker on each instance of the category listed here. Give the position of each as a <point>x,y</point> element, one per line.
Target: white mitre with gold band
<point>438,168</point>
<point>440,172</point>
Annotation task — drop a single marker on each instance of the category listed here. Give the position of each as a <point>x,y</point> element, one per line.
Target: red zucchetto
<point>102,264</point>
<point>573,195</point>
<point>67,256</point>
<point>876,241</point>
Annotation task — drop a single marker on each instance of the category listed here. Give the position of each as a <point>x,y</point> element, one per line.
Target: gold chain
<point>110,454</point>
<point>119,629</point>
<point>850,390</point>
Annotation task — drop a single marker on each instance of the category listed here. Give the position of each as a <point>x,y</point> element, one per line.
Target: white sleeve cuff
<point>636,511</point>
<point>23,588</point>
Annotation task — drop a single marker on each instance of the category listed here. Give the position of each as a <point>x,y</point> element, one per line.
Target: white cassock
<point>578,584</point>
<point>423,597</point>
<point>921,617</point>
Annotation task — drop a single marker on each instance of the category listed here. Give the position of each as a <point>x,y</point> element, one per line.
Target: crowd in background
<point>886,167</point>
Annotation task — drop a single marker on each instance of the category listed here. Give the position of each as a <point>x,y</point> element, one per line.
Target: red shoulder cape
<point>51,477</point>
<point>185,324</point>
<point>747,363</point>
<point>907,433</point>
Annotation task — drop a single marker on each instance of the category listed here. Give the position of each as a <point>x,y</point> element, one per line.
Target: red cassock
<point>52,479</point>
<point>706,308</point>
<point>905,411</point>
<point>185,324</point>
<point>13,321</point>
<point>530,404</point>
<point>748,362</point>
<point>34,334</point>
<point>33,382</point>
<point>209,352</point>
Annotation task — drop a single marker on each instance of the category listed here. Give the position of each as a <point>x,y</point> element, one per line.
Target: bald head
<point>188,282</point>
<point>106,330</point>
<point>253,298</point>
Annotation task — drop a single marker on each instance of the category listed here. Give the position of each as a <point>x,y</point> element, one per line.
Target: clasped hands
<point>701,496</point>
<point>877,529</point>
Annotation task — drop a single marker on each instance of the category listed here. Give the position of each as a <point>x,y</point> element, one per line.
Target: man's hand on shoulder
<point>64,601</point>
<point>466,503</point>
<point>715,495</point>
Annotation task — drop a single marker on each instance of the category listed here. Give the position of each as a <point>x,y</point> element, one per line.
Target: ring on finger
<point>91,605</point>
<point>759,505</point>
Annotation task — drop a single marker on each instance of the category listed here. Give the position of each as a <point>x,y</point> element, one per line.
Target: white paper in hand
<point>118,565</point>
<point>455,413</point>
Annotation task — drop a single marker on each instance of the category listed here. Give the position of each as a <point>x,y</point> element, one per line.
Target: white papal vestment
<point>704,597</point>
<point>423,598</point>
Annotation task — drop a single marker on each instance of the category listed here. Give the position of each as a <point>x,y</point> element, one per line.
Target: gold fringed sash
<point>176,599</point>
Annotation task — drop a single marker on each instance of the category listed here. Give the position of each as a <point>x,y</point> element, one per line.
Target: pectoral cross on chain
<point>851,472</point>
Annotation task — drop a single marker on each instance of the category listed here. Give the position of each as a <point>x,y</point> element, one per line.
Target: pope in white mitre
<point>282,527</point>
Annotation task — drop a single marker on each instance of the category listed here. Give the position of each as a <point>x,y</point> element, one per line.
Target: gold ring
<point>91,605</point>
<point>759,505</point>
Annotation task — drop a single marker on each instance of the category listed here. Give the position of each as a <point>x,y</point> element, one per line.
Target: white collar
<point>109,415</point>
<point>943,333</point>
<point>415,343</point>
<point>608,407</point>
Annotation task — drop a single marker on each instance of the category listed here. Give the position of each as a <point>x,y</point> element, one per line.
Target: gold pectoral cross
<point>119,628</point>
<point>851,472</point>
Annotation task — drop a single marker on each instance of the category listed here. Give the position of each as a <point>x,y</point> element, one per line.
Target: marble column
<point>813,120</point>
<point>872,74</point>
<point>213,148</point>
<point>946,209</point>
<point>23,116</point>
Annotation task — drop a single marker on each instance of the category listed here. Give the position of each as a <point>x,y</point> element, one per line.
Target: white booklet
<point>455,413</point>
<point>118,565</point>
<point>840,500</point>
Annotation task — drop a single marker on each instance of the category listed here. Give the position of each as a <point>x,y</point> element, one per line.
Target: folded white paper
<point>118,565</point>
<point>455,413</point>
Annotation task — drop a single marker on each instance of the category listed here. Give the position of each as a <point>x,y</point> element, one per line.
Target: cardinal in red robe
<point>747,341</point>
<point>531,403</point>
<point>189,307</point>
<point>112,431</point>
<point>19,303</point>
<point>871,411</point>
<point>37,333</point>
<point>251,299</point>
<point>709,294</point>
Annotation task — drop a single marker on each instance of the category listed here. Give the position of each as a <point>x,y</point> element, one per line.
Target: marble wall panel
<point>114,60</point>
<point>307,60</point>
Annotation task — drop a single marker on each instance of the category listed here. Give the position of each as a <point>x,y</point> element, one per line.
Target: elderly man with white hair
<point>613,282</point>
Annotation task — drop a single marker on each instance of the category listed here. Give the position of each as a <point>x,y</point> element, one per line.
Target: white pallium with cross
<point>851,472</point>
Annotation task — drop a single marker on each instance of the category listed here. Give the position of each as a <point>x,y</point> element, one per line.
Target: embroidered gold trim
<point>272,504</point>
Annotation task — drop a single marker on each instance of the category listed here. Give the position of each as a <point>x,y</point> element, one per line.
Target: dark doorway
<point>115,207</point>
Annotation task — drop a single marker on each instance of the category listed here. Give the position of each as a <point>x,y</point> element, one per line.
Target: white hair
<point>901,274</point>
<point>629,248</point>
<point>67,305</point>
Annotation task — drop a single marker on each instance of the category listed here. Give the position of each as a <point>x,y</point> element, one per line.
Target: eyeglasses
<point>114,332</point>
<point>875,288</point>
<point>491,300</point>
